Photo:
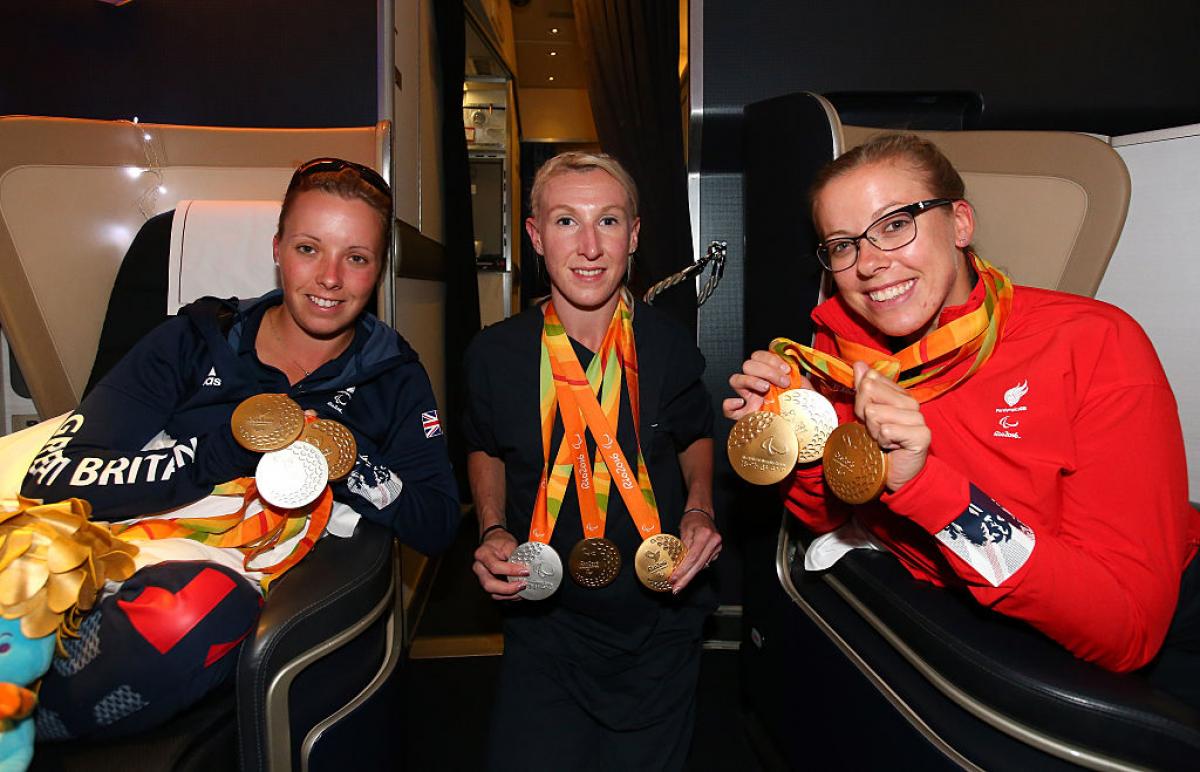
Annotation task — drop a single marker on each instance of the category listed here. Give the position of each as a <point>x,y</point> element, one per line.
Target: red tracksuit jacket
<point>1056,484</point>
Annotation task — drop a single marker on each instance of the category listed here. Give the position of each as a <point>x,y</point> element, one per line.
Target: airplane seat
<point>872,666</point>
<point>314,680</point>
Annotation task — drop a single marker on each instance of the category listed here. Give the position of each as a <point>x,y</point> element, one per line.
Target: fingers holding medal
<point>766,445</point>
<point>893,419</point>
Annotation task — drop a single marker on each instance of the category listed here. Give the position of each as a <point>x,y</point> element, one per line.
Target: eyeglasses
<point>334,165</point>
<point>894,230</point>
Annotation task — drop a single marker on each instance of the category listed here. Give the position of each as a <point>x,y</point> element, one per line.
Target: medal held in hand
<point>293,477</point>
<point>762,447</point>
<point>760,450</point>
<point>545,569</point>
<point>656,560</point>
<point>855,466</point>
<point>812,418</point>
<point>267,422</point>
<point>337,444</point>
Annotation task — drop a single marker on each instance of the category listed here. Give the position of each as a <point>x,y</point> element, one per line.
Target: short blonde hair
<point>579,161</point>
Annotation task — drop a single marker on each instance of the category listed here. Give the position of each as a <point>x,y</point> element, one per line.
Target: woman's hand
<point>493,569</point>
<point>699,535</point>
<point>894,419</point>
<point>762,370</point>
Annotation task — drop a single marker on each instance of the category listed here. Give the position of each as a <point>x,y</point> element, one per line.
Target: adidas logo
<point>212,379</point>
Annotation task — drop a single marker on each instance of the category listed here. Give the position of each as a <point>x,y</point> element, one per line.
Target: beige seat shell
<point>1050,206</point>
<point>73,194</point>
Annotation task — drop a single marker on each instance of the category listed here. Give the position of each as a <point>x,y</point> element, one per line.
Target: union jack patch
<point>431,424</point>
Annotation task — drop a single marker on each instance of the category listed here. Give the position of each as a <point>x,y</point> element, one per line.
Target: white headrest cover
<point>221,248</point>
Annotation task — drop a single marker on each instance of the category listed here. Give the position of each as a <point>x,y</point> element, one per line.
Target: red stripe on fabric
<point>163,617</point>
<point>218,650</point>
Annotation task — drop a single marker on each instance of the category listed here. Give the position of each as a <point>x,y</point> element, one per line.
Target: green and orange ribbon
<point>973,334</point>
<point>252,536</point>
<point>590,403</point>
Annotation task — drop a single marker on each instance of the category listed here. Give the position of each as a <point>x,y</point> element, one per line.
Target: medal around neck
<point>545,569</point>
<point>656,560</point>
<point>337,444</point>
<point>813,419</point>
<point>267,422</point>
<point>594,563</point>
<point>855,466</point>
<point>762,448</point>
<point>293,477</point>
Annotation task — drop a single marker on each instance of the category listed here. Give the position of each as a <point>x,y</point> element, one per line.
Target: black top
<point>503,420</point>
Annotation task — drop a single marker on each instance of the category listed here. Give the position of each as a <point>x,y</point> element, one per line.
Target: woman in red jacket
<point>1033,443</point>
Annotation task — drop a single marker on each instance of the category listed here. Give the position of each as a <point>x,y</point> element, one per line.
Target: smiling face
<point>585,232</point>
<point>901,292</point>
<point>329,252</point>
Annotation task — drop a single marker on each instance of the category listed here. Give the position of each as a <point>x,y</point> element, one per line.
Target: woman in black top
<point>592,677</point>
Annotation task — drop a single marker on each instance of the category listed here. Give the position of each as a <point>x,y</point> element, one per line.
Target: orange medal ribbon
<point>570,390</point>
<point>252,536</point>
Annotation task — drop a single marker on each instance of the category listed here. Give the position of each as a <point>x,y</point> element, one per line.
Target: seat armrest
<point>340,584</point>
<point>1001,669</point>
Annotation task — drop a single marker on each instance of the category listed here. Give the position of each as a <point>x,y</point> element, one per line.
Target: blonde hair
<point>579,161</point>
<point>922,155</point>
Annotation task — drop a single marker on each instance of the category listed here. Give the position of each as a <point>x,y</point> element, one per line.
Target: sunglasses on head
<point>334,165</point>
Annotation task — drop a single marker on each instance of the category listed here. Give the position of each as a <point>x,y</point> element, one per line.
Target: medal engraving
<point>267,422</point>
<point>762,448</point>
<point>813,419</point>
<point>336,442</point>
<point>656,560</point>
<point>594,562</point>
<point>545,569</point>
<point>293,477</point>
<point>855,465</point>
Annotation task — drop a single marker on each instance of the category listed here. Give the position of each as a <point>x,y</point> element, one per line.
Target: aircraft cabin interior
<point>145,146</point>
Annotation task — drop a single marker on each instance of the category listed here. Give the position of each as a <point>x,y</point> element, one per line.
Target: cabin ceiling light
<point>551,78</point>
<point>554,30</point>
<point>554,53</point>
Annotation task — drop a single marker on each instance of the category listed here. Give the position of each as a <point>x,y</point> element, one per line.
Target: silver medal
<point>813,418</point>
<point>545,569</point>
<point>292,477</point>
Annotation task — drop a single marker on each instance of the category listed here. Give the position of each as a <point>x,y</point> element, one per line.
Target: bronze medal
<point>594,562</point>
<point>267,422</point>
<point>855,465</point>
<point>812,417</point>
<point>336,442</point>
<point>762,448</point>
<point>656,560</point>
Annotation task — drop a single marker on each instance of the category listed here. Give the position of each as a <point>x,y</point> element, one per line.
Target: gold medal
<point>594,562</point>
<point>762,448</point>
<point>267,422</point>
<point>812,417</point>
<point>855,465</point>
<point>336,442</point>
<point>656,560</point>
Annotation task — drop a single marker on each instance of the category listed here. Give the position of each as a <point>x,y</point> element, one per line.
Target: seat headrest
<point>221,248</point>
